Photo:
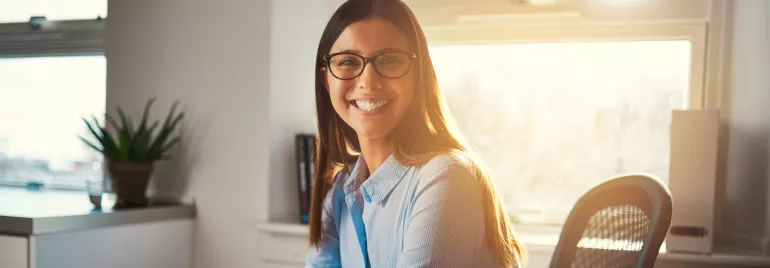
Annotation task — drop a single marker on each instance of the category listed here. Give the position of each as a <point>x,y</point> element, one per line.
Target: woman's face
<point>374,102</point>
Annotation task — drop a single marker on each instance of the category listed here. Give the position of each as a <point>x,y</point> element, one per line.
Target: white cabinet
<point>60,229</point>
<point>161,244</point>
<point>13,252</point>
<point>164,244</point>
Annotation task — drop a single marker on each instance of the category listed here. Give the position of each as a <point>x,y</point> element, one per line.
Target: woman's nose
<point>369,79</point>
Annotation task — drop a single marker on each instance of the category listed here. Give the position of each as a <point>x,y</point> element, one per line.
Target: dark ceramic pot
<point>129,182</point>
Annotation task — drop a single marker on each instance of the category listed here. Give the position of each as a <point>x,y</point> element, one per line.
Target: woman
<point>395,186</point>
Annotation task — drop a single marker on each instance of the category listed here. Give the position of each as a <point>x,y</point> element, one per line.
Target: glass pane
<point>22,10</point>
<point>552,120</point>
<point>42,101</point>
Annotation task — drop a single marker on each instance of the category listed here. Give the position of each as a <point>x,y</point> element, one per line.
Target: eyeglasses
<point>347,66</point>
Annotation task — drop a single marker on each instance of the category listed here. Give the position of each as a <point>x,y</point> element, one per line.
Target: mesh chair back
<point>620,223</point>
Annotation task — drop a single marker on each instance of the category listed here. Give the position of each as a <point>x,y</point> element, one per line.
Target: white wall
<point>295,30</point>
<point>213,56</point>
<point>748,171</point>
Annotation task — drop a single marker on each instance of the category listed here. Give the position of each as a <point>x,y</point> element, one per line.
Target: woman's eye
<point>393,60</point>
<point>348,62</point>
<point>390,60</point>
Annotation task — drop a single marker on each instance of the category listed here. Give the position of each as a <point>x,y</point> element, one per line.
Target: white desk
<point>288,246</point>
<point>61,230</point>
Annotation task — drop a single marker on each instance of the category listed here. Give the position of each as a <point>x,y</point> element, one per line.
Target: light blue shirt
<point>422,216</point>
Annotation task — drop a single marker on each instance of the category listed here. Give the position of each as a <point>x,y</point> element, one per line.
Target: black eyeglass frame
<point>327,63</point>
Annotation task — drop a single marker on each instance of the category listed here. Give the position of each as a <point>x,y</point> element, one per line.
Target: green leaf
<point>166,132</point>
<point>111,150</point>
<point>140,139</point>
<point>112,121</point>
<point>151,129</point>
<point>126,128</point>
<point>176,121</point>
<point>90,144</point>
<point>140,146</point>
<point>147,142</point>
<point>124,145</point>
<point>156,149</point>
<point>145,114</point>
<point>171,113</point>
<point>170,144</point>
<point>90,128</point>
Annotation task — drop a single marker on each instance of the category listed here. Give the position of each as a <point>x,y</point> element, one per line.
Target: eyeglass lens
<point>388,65</point>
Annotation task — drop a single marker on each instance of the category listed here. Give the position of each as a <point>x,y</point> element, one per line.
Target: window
<point>553,119</point>
<point>40,114</point>
<point>50,77</point>
<point>22,10</point>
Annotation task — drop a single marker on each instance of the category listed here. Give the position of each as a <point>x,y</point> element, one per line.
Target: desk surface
<point>540,245</point>
<point>26,213</point>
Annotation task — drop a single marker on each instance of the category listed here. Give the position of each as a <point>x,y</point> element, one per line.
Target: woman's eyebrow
<point>390,49</point>
<point>379,51</point>
<point>348,51</point>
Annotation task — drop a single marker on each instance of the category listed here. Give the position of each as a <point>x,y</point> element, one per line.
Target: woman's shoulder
<point>455,163</point>
<point>448,176</point>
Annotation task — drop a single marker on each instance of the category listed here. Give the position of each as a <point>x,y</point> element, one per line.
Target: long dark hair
<point>425,131</point>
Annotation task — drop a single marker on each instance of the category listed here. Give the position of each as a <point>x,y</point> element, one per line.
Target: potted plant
<point>132,151</point>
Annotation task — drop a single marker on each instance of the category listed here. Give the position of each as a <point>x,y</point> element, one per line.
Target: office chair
<point>620,223</point>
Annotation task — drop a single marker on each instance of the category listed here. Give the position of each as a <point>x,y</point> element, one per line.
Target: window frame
<point>505,32</point>
<point>694,31</point>
<point>59,38</point>
<point>54,38</point>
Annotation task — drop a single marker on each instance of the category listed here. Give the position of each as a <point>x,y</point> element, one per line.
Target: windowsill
<point>27,213</point>
<point>45,186</point>
<point>543,240</point>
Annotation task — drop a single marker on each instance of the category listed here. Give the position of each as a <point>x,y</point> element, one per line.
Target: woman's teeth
<point>371,105</point>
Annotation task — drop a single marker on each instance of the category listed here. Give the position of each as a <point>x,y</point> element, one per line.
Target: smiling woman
<point>409,192</point>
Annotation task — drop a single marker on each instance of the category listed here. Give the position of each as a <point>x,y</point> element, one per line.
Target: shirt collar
<point>356,176</point>
<point>379,184</point>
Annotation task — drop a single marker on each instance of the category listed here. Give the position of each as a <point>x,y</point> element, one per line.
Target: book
<point>306,147</point>
<point>311,142</point>
<point>302,162</point>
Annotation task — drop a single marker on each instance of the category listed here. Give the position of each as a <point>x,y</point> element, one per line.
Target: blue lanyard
<point>356,208</point>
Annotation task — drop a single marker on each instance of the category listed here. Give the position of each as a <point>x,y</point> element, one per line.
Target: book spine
<point>310,145</point>
<point>312,149</point>
<point>302,164</point>
<point>312,160</point>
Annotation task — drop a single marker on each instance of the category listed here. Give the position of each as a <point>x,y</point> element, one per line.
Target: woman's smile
<point>370,106</point>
